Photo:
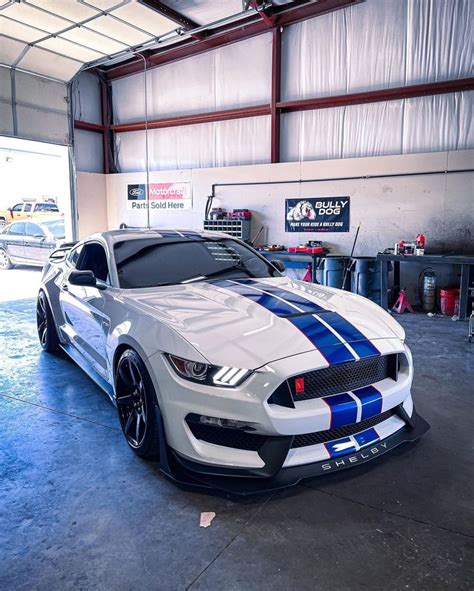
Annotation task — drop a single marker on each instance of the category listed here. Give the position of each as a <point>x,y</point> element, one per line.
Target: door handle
<point>64,287</point>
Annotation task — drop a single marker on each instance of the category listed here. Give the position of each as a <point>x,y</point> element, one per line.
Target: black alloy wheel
<point>47,333</point>
<point>136,400</point>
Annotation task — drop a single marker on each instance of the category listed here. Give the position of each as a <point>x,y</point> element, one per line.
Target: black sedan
<point>30,243</point>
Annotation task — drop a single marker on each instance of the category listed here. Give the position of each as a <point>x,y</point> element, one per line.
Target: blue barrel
<point>330,272</point>
<point>366,278</point>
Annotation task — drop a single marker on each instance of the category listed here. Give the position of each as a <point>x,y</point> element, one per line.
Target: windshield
<point>56,228</point>
<point>150,262</point>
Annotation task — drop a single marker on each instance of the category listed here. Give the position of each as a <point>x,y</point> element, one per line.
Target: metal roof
<point>58,38</point>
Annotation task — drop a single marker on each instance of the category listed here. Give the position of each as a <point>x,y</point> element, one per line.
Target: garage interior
<point>255,106</point>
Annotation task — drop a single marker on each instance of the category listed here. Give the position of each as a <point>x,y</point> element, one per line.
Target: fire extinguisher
<point>429,290</point>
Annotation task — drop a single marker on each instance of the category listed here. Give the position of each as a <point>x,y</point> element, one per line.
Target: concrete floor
<point>79,511</point>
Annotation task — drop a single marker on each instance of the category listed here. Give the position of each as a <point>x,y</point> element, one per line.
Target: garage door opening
<point>35,212</point>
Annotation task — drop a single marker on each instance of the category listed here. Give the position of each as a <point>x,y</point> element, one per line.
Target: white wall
<point>390,209</point>
<point>91,203</point>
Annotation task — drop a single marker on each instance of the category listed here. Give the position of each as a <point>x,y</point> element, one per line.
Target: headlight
<point>211,375</point>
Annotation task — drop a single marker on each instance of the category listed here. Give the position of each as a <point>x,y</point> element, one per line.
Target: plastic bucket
<point>449,300</point>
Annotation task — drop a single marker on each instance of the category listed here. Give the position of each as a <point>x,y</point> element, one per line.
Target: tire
<point>5,261</point>
<point>136,401</point>
<point>47,333</point>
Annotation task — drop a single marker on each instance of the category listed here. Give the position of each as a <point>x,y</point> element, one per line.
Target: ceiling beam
<point>250,26</point>
<point>226,115</point>
<point>173,15</point>
<point>376,96</point>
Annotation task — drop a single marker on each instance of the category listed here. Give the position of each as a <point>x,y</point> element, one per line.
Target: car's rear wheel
<point>136,401</point>
<point>47,333</point>
<point>5,261</point>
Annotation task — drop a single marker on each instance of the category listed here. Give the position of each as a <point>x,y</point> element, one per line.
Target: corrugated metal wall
<point>373,45</point>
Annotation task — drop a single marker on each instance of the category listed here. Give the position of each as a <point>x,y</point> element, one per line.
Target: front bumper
<point>274,475</point>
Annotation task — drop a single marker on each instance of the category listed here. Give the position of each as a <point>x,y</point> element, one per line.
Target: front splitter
<point>199,476</point>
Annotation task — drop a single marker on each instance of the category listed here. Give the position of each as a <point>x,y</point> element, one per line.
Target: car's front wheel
<point>5,262</point>
<point>47,333</point>
<point>136,401</point>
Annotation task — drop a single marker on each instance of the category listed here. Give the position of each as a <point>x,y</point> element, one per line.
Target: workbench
<point>466,263</point>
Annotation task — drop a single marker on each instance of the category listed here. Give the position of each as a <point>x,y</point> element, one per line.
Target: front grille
<point>344,377</point>
<point>338,432</point>
<point>237,439</point>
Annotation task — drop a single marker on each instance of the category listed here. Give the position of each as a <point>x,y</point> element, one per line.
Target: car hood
<point>222,320</point>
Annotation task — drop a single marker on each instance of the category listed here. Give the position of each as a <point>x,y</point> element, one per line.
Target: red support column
<point>105,124</point>
<point>276,92</point>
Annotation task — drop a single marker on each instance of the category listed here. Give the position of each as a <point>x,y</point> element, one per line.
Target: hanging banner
<point>162,196</point>
<point>317,214</point>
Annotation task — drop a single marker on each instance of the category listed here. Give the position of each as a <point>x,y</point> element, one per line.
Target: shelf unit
<point>234,227</point>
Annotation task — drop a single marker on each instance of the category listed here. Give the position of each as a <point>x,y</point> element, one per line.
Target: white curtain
<point>378,44</point>
<point>423,124</point>
<point>223,143</point>
<point>236,75</point>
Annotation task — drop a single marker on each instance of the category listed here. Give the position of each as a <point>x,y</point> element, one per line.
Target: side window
<point>27,207</point>
<point>34,230</point>
<point>17,229</point>
<point>74,255</point>
<point>18,207</point>
<point>93,258</point>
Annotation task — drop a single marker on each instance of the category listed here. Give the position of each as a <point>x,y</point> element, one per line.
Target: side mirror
<point>85,279</point>
<point>279,266</point>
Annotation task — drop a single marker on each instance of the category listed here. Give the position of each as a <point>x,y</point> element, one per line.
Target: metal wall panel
<point>6,118</point>
<point>42,125</point>
<point>35,91</point>
<point>37,107</point>
<point>86,97</point>
<point>5,84</point>
<point>88,151</point>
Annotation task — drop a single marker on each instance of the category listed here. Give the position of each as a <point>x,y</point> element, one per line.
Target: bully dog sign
<point>317,214</point>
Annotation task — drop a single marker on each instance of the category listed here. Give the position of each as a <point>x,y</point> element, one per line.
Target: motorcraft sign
<point>317,214</point>
<point>162,196</point>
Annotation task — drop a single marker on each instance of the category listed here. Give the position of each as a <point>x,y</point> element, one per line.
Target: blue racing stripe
<point>363,347</point>
<point>293,298</point>
<point>371,400</point>
<point>343,410</point>
<point>334,351</point>
<point>340,447</point>
<point>272,304</point>
<point>367,437</point>
<point>322,338</point>
<point>348,332</point>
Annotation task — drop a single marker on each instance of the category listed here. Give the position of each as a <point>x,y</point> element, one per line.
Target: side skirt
<point>89,370</point>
